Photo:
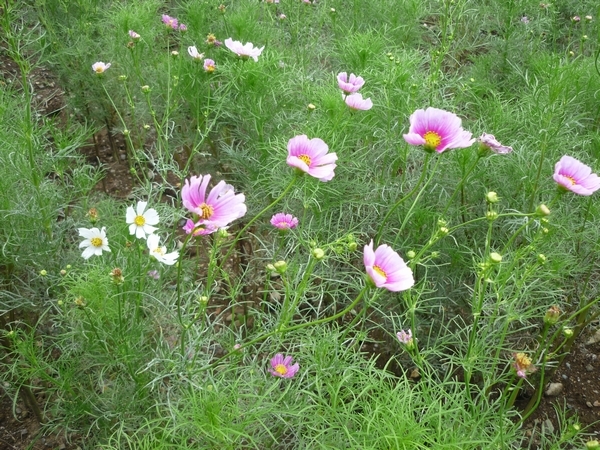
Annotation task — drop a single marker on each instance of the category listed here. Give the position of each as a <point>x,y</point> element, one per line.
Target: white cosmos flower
<point>193,51</point>
<point>95,241</point>
<point>140,221</point>
<point>160,253</point>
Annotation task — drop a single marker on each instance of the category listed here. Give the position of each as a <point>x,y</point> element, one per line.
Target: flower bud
<point>592,444</point>
<point>491,215</point>
<point>541,258</point>
<point>270,268</point>
<point>552,315</point>
<point>174,53</point>
<point>79,302</point>
<point>352,246</point>
<point>311,107</point>
<point>567,332</point>
<point>203,300</point>
<point>280,267</point>
<point>63,272</point>
<point>318,253</point>
<point>117,275</point>
<point>145,89</point>
<point>588,18</point>
<point>495,258</point>
<point>410,254</point>
<point>43,272</point>
<point>542,210</point>
<point>122,77</point>
<point>491,197</point>
<point>93,215</point>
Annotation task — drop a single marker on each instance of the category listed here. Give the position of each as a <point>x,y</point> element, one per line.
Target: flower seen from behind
<point>387,269</point>
<point>349,84</point>
<point>571,174</point>
<point>284,221</point>
<point>356,102</point>
<point>244,51</point>
<point>193,52</point>
<point>437,130</point>
<point>141,221</point>
<point>282,366</point>
<point>310,156</point>
<point>489,142</point>
<point>94,242</point>
<point>100,67</point>
<point>160,253</point>
<point>209,65</point>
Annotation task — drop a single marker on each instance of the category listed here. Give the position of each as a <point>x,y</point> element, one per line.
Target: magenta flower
<point>284,221</point>
<point>387,269</point>
<point>437,130</point>
<point>170,22</point>
<point>489,142</point>
<point>244,51</point>
<point>209,65</point>
<point>571,174</point>
<point>310,156</point>
<point>349,85</point>
<point>213,211</point>
<point>282,366</point>
<point>356,102</point>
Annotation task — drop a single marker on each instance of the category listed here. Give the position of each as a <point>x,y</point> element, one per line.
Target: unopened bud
<point>443,231</point>
<point>567,332</point>
<point>93,215</point>
<point>492,197</point>
<point>542,210</point>
<point>318,253</point>
<point>352,246</point>
<point>495,258</point>
<point>63,272</point>
<point>552,315</point>
<point>541,258</point>
<point>203,300</point>
<point>592,444</point>
<point>280,267</point>
<point>122,77</point>
<point>410,254</point>
<point>491,215</point>
<point>145,89</point>
<point>43,273</point>
<point>311,107</point>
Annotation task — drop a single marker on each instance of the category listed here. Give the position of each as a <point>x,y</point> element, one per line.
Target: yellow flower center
<point>139,221</point>
<point>99,69</point>
<point>96,241</point>
<point>572,180</point>
<point>210,69</point>
<point>159,250</point>
<point>207,211</point>
<point>380,271</point>
<point>306,159</point>
<point>432,139</point>
<point>281,369</point>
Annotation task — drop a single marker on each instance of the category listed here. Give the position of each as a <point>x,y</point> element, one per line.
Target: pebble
<point>589,368</point>
<point>596,403</point>
<point>554,389</point>
<point>595,338</point>
<point>589,404</point>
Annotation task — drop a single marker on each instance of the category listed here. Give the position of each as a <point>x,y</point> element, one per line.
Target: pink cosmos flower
<point>349,85</point>
<point>209,65</point>
<point>244,51</point>
<point>356,102</point>
<point>310,156</point>
<point>488,141</point>
<point>387,269</point>
<point>213,211</point>
<point>170,22</point>
<point>404,336</point>
<point>437,130</point>
<point>193,52</point>
<point>133,35</point>
<point>182,27</point>
<point>282,366</point>
<point>571,174</point>
<point>284,221</point>
<point>99,67</point>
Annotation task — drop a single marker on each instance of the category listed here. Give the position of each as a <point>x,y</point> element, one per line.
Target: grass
<point>152,362</point>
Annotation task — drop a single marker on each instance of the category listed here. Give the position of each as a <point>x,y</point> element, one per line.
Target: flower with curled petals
<point>387,269</point>
<point>357,103</point>
<point>160,253</point>
<point>349,84</point>
<point>282,367</point>
<point>437,130</point>
<point>573,175</point>
<point>488,142</point>
<point>244,51</point>
<point>310,156</point>
<point>193,52</point>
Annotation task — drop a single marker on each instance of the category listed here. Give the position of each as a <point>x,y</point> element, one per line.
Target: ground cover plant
<point>347,224</point>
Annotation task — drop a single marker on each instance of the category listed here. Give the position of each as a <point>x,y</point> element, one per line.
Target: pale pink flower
<point>170,22</point>
<point>488,141</point>
<point>95,242</point>
<point>571,174</point>
<point>133,35</point>
<point>310,156</point>
<point>406,338</point>
<point>244,51</point>
<point>437,130</point>
<point>282,16</point>
<point>387,269</point>
<point>284,221</point>
<point>209,65</point>
<point>282,366</point>
<point>356,102</point>
<point>213,210</point>
<point>193,51</point>
<point>349,84</point>
<point>182,27</point>
<point>100,67</point>
<point>154,274</point>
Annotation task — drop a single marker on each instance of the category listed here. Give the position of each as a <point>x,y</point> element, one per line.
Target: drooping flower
<point>160,253</point>
<point>170,22</point>
<point>213,211</point>
<point>244,51</point>
<point>133,35</point>
<point>437,130</point>
<point>193,51</point>
<point>349,84</point>
<point>489,142</point>
<point>406,338</point>
<point>199,228</point>
<point>209,65</point>
<point>387,269</point>
<point>141,221</point>
<point>356,102</point>
<point>523,365</point>
<point>310,156</point>
<point>282,366</point>
<point>95,241</point>
<point>284,221</point>
<point>100,67</point>
<point>571,174</point>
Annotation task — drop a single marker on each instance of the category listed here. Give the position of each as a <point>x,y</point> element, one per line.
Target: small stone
<point>24,432</point>
<point>589,368</point>
<point>596,403</point>
<point>548,427</point>
<point>554,389</point>
<point>589,404</point>
<point>595,338</point>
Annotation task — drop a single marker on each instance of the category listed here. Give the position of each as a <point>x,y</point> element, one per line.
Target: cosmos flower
<point>282,366</point>
<point>356,102</point>
<point>523,365</point>
<point>437,130</point>
<point>194,53</point>
<point>209,65</point>
<point>244,51</point>
<point>100,67</point>
<point>310,156</point>
<point>405,338</point>
<point>387,269</point>
<point>140,221</point>
<point>170,22</point>
<point>133,35</point>
<point>349,84</point>
<point>571,174</point>
<point>160,253</point>
<point>284,221</point>
<point>489,142</point>
<point>94,243</point>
